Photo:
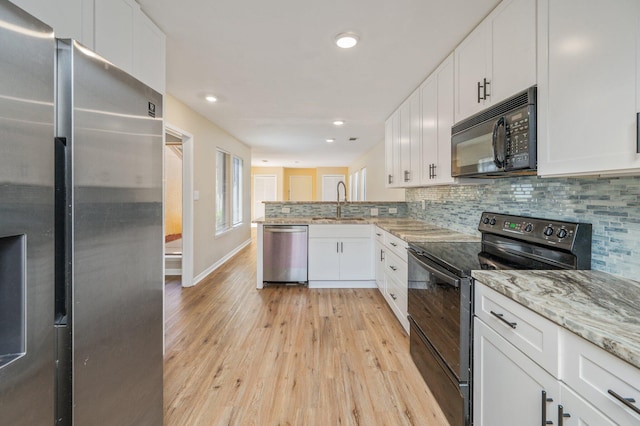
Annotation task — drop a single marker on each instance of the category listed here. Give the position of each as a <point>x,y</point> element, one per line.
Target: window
<point>363,187</point>
<point>237,191</point>
<point>228,191</point>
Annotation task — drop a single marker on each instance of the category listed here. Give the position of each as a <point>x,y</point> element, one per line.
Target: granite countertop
<point>597,306</point>
<point>409,230</point>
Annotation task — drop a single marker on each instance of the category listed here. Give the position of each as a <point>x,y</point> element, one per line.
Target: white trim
<point>343,284</point>
<point>187,202</point>
<point>219,263</point>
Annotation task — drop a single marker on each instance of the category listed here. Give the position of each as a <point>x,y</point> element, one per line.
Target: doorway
<point>329,187</point>
<point>178,203</point>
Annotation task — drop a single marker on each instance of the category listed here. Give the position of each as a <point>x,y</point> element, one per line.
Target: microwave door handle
<point>494,142</point>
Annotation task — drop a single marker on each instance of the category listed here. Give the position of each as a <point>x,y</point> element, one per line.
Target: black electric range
<point>440,293</point>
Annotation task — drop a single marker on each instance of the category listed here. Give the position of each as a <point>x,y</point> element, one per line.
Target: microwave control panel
<point>519,129</point>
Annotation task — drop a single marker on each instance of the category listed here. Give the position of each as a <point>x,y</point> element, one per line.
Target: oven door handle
<point>440,273</point>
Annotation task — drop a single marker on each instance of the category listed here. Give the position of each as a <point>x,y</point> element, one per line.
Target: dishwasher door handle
<point>280,230</point>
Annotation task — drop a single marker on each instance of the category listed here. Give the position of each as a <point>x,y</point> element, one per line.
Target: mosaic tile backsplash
<point>611,205</point>
<point>328,209</point>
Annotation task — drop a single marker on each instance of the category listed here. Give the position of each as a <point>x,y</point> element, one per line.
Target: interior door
<point>265,188</point>
<point>329,187</point>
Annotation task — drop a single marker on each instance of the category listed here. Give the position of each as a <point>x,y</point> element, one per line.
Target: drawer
<point>395,267</point>
<point>397,245</point>
<point>592,372</point>
<point>378,234</point>
<point>396,295</point>
<point>531,333</point>
<point>340,231</point>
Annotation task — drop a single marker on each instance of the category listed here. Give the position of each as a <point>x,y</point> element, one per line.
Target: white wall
<point>373,160</point>
<point>209,250</point>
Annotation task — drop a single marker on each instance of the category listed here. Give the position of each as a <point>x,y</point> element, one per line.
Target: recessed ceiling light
<point>338,123</point>
<point>347,40</point>
<point>211,98</point>
<point>330,140</point>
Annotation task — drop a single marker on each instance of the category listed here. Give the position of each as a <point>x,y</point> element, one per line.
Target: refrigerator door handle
<point>61,225</point>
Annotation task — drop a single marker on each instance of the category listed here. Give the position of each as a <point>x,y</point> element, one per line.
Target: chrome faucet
<point>339,209</point>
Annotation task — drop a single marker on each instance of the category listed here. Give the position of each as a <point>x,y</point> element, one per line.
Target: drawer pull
<point>393,268</point>
<point>562,415</point>
<point>626,401</point>
<point>379,235</point>
<point>501,318</point>
<point>394,244</point>
<point>545,400</point>
<point>393,296</point>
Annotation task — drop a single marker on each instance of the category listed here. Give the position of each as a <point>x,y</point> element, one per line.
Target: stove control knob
<point>485,220</point>
<point>528,227</point>
<point>492,221</point>
<point>548,231</point>
<point>562,233</point>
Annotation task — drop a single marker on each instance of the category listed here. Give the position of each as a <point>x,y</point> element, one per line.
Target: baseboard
<point>173,271</point>
<point>220,262</point>
<point>343,284</point>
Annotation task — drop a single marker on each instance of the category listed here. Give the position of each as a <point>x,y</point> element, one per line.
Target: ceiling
<point>280,79</point>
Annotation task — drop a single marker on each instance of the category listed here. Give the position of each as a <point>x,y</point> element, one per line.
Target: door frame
<point>187,202</point>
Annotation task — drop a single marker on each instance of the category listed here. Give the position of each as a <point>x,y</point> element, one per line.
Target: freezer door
<point>115,144</point>
<point>27,352</point>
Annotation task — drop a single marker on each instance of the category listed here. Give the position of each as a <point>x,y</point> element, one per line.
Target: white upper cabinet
<point>393,148</point>
<point>68,18</point>
<point>114,31</point>
<point>117,30</point>
<point>588,90</point>
<point>498,58</point>
<point>437,119</point>
<point>149,52</point>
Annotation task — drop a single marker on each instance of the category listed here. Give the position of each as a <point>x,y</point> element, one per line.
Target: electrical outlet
<point>196,195</point>
<point>286,210</point>
<point>393,210</point>
<point>423,205</point>
<point>374,212</point>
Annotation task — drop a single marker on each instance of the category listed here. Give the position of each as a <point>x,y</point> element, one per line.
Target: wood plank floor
<point>287,356</point>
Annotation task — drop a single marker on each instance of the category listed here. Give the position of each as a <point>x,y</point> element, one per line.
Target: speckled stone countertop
<point>600,307</point>
<point>409,230</point>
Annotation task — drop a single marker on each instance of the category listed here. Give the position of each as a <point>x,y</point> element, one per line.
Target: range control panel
<point>540,231</point>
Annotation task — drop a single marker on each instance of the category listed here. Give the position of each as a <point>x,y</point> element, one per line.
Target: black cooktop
<point>514,242</point>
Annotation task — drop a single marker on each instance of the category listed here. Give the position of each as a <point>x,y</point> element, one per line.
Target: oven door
<point>440,336</point>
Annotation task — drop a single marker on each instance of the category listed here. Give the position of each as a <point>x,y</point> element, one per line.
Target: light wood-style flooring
<point>236,355</point>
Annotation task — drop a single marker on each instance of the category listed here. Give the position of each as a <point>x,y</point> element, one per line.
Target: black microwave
<point>497,142</point>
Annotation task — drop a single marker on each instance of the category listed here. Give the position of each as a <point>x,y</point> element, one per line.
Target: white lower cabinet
<point>340,253</point>
<point>510,372</point>
<point>509,388</point>
<point>391,273</point>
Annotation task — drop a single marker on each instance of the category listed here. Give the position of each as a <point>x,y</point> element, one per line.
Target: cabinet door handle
<point>393,268</point>
<point>479,88</point>
<point>626,401</point>
<point>337,247</point>
<point>433,171</point>
<point>407,175</point>
<point>501,318</point>
<point>381,255</point>
<point>390,179</point>
<point>545,401</point>
<point>484,87</point>
<point>341,247</point>
<point>393,296</point>
<point>394,244</point>
<point>562,415</point>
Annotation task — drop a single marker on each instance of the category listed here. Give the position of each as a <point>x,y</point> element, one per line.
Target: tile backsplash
<point>328,209</point>
<point>611,205</point>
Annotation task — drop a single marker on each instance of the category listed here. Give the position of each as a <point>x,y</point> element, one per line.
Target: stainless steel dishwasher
<point>284,258</point>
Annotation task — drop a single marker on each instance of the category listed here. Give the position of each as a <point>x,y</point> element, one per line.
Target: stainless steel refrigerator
<point>81,286</point>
